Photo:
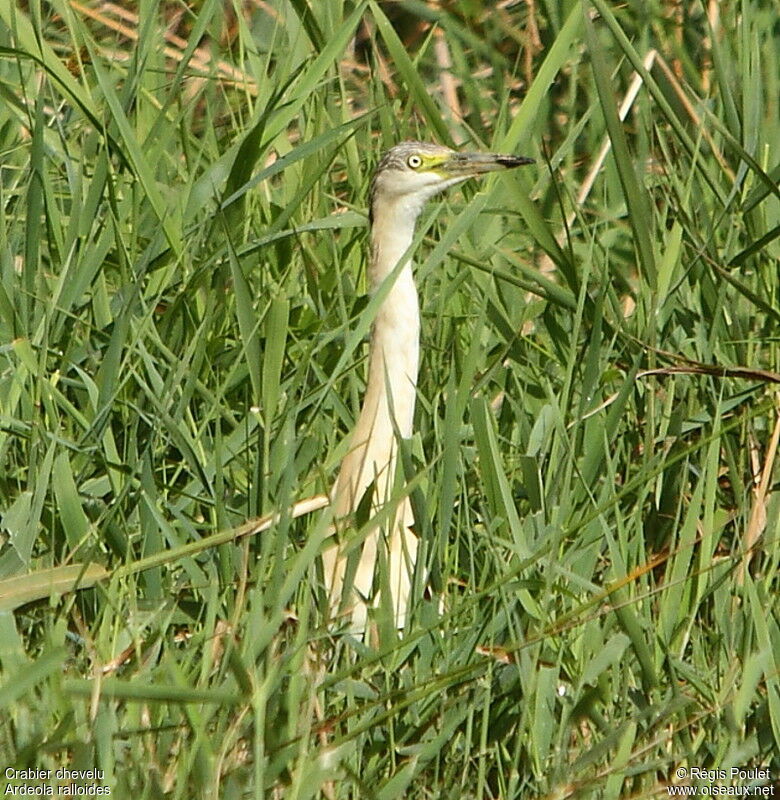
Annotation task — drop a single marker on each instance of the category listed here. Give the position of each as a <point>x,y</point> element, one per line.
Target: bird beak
<point>469,165</point>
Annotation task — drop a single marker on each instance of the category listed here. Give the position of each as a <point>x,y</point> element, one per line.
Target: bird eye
<point>414,161</point>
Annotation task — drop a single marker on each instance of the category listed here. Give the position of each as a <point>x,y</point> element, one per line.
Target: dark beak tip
<point>516,161</point>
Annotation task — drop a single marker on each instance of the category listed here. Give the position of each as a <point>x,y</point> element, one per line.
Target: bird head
<point>412,172</point>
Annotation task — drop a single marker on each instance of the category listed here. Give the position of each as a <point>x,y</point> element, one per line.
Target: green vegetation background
<point>182,334</point>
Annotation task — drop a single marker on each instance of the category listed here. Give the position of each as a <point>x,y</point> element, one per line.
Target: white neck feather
<point>389,401</point>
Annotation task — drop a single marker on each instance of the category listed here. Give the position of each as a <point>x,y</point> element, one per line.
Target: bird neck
<point>388,404</point>
<point>392,234</point>
<point>395,346</point>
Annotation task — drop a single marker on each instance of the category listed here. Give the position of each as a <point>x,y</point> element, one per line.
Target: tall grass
<point>182,335</point>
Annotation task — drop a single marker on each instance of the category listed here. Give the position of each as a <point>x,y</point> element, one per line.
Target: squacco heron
<point>406,176</point>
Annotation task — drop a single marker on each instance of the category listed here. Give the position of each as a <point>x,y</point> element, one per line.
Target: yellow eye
<point>414,161</point>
